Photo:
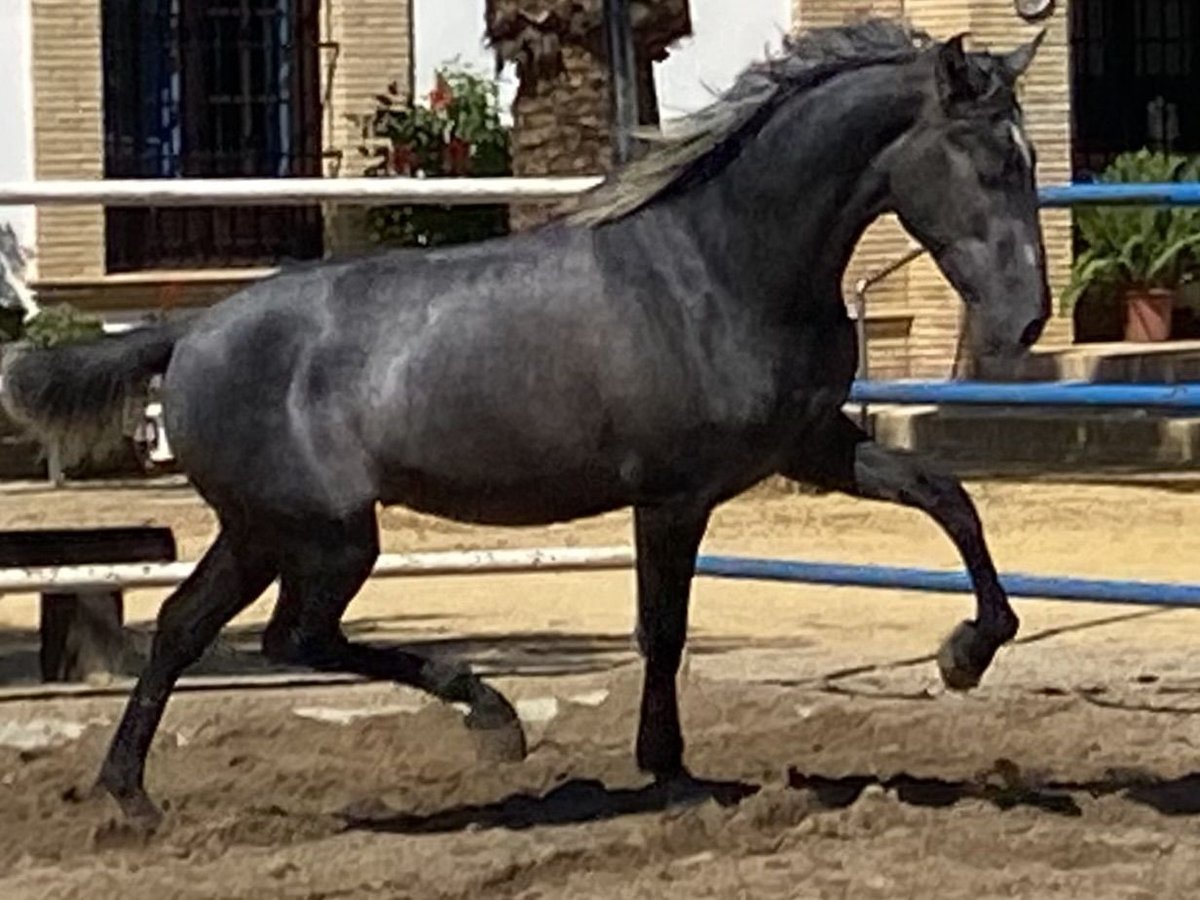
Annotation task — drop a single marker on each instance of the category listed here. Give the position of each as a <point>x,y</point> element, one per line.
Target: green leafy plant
<point>61,324</point>
<point>1138,247</point>
<point>456,132</point>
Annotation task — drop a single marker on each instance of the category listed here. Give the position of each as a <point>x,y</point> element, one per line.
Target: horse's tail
<point>74,396</point>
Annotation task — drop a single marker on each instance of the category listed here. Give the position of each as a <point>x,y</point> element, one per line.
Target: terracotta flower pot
<point>1148,314</point>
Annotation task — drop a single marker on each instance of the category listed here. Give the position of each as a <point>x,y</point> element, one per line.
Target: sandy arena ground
<point>1067,774</point>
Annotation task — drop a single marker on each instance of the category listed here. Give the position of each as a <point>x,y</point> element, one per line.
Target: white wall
<point>728,36</point>
<point>16,119</point>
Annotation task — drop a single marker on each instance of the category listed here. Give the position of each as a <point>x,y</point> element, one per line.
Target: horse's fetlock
<point>289,647</point>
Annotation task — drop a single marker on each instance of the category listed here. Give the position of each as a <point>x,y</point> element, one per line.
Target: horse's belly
<point>559,487</point>
<point>534,501</point>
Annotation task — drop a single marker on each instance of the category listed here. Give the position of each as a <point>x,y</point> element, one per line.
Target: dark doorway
<point>1135,79</point>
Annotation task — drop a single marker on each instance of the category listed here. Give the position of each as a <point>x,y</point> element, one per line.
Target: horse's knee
<point>179,633</point>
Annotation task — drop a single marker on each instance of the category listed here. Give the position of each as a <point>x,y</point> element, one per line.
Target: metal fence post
<point>622,68</point>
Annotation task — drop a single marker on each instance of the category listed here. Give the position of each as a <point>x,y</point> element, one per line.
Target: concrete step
<point>999,437</point>
<point>1170,362</point>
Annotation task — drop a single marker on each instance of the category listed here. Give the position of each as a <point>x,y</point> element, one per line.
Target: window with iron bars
<point>211,89</point>
<point>1135,71</point>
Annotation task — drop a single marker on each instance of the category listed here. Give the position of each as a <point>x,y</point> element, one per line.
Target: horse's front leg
<point>667,540</point>
<point>844,458</point>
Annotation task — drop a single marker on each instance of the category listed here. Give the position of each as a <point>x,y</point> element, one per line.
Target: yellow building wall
<point>68,132</point>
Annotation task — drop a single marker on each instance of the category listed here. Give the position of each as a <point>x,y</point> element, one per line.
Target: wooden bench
<point>82,631</point>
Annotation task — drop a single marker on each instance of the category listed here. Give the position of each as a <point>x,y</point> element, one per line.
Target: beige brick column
<point>368,44</point>
<point>68,132</point>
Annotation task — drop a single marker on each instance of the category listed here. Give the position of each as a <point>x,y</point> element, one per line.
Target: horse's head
<point>962,182</point>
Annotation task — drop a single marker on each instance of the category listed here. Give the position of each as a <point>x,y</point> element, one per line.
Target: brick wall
<point>373,41</point>
<point>920,288</point>
<point>68,132</point>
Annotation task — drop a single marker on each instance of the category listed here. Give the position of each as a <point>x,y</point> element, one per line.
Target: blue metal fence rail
<point>1064,196</point>
<point>1056,393</point>
<point>902,578</point>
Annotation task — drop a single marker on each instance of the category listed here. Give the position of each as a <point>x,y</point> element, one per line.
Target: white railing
<point>290,191</point>
<point>390,565</point>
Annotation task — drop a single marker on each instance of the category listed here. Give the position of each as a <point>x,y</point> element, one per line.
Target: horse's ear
<point>954,71</point>
<point>1015,64</point>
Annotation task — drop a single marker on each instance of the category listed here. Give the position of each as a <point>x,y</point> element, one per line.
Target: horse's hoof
<point>139,810</point>
<point>964,656</point>
<point>496,728</point>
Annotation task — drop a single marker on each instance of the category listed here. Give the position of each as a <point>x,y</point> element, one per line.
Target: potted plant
<point>1139,255</point>
<point>457,131</point>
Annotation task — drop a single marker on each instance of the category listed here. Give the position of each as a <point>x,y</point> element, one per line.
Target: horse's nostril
<point>1032,332</point>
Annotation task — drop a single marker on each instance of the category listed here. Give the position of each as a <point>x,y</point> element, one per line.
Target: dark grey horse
<point>679,338</point>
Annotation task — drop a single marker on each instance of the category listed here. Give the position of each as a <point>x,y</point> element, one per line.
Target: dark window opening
<point>1135,71</point>
<point>211,89</point>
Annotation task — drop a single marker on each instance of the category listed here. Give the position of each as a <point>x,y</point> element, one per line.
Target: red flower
<point>404,160</point>
<point>457,156</point>
<point>441,96</point>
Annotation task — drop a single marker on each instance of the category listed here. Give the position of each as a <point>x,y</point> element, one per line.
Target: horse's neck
<point>779,224</point>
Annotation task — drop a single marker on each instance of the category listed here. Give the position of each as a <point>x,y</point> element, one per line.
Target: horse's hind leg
<point>845,458</point>
<point>321,571</point>
<point>230,576</point>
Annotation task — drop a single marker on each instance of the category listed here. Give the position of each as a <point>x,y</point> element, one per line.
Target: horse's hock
<point>82,629</point>
<point>562,116</point>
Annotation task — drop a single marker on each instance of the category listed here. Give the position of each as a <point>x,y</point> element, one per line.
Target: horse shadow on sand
<point>547,653</point>
<point>581,801</point>
<point>237,653</point>
<point>584,800</point>
<point>1004,787</point>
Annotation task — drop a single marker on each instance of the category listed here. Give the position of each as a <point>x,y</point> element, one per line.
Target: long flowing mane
<point>700,145</point>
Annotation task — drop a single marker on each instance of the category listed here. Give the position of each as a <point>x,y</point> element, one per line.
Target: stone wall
<point>563,115</point>
<point>563,127</point>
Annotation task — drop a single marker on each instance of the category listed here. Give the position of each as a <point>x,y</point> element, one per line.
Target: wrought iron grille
<point>1135,78</point>
<point>211,89</point>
